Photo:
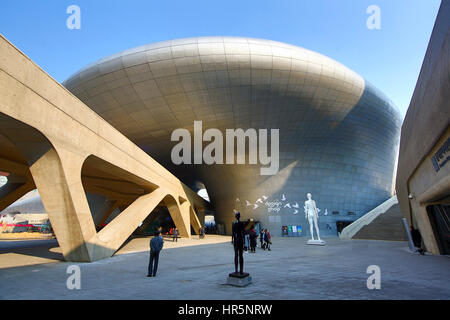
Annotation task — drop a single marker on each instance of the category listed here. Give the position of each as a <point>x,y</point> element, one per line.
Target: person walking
<point>267,239</point>
<point>156,245</point>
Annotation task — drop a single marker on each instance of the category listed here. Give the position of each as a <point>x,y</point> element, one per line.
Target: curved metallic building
<point>338,135</point>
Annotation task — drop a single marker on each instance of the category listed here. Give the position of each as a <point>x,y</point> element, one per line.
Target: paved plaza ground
<point>197,269</point>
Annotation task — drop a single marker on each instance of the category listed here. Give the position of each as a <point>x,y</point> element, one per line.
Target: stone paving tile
<point>292,270</point>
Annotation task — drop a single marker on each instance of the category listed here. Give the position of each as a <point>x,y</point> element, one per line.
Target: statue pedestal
<point>316,242</point>
<point>239,280</point>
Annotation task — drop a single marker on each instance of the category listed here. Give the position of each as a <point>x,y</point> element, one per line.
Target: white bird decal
<point>255,206</point>
<point>259,200</point>
<point>264,197</point>
<point>248,203</point>
<point>283,197</point>
<point>288,205</point>
<point>295,211</point>
<point>326,212</point>
<point>295,205</point>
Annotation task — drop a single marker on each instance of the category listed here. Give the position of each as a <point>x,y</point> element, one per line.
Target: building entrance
<point>440,220</point>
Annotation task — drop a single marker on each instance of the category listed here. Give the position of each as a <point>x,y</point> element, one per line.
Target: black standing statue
<point>237,238</point>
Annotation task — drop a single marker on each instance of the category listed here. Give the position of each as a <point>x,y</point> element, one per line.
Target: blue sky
<point>389,58</point>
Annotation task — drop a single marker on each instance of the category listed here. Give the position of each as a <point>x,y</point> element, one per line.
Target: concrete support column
<point>13,191</point>
<point>118,230</point>
<point>200,213</point>
<point>180,216</point>
<point>195,222</point>
<point>62,199</point>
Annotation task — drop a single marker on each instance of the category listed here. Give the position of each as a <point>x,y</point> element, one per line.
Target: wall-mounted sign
<point>441,157</point>
<point>291,231</point>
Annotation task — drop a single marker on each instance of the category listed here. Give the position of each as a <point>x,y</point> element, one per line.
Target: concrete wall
<point>424,130</point>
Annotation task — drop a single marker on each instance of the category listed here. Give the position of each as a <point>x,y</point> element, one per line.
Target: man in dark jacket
<point>267,239</point>
<point>261,238</point>
<point>156,245</point>
<point>253,237</point>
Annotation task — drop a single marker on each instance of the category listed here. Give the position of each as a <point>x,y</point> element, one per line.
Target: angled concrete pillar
<point>119,229</point>
<point>58,135</point>
<point>61,206</point>
<point>180,216</point>
<point>58,179</point>
<point>195,222</point>
<point>19,182</point>
<point>12,191</point>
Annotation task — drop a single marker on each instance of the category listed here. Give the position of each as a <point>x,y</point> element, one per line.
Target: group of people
<point>250,237</point>
<point>251,240</point>
<point>243,239</point>
<point>265,239</point>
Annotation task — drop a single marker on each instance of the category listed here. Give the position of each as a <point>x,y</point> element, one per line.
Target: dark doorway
<point>340,225</point>
<point>439,215</point>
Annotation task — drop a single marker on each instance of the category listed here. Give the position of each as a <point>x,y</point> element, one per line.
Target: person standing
<point>253,237</point>
<point>417,240</point>
<point>156,245</point>
<point>261,238</point>
<point>200,233</point>
<point>247,241</point>
<point>175,234</point>
<point>267,239</point>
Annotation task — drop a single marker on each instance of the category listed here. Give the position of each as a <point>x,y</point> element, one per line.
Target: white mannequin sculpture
<point>312,214</point>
